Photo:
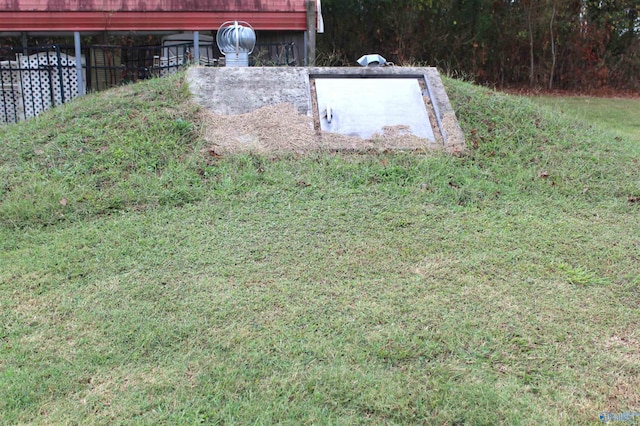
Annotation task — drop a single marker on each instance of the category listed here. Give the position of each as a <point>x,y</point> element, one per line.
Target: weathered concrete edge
<point>234,91</point>
<point>452,134</point>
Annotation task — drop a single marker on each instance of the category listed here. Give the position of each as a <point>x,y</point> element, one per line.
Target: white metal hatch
<point>365,106</point>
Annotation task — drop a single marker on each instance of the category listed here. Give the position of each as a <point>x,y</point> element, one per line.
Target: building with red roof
<point>140,15</point>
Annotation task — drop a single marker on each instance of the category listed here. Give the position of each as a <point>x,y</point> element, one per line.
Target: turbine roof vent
<point>236,40</point>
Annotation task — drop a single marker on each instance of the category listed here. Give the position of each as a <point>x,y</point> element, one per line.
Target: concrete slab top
<point>234,91</point>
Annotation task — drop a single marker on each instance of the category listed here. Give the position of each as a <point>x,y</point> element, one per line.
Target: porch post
<point>25,44</point>
<point>196,47</point>
<point>311,33</point>
<point>76,39</point>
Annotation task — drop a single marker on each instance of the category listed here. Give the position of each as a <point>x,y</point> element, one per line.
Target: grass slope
<point>497,288</point>
<point>123,149</point>
<point>619,115</point>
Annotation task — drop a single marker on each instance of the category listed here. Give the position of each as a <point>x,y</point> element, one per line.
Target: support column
<point>311,33</point>
<point>76,39</point>
<point>196,47</point>
<point>25,44</point>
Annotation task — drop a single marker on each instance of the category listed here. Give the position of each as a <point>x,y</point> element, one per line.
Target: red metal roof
<point>155,5</point>
<point>125,15</point>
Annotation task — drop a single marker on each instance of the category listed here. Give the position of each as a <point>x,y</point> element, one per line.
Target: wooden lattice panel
<point>48,79</point>
<point>11,107</point>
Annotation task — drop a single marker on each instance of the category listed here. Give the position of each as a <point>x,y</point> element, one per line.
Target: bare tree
<point>554,6</point>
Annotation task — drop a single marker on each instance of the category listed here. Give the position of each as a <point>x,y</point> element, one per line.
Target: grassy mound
<point>500,287</point>
<point>128,148</point>
<point>137,147</point>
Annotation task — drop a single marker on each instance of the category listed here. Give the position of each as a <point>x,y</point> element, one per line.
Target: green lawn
<point>142,281</point>
<point>621,115</point>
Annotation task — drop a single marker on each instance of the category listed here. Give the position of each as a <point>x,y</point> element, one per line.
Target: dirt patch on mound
<point>279,129</point>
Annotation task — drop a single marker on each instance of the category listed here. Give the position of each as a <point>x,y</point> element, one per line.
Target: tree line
<point>554,44</point>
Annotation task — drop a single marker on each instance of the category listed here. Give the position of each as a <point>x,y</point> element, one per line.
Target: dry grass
<point>280,129</point>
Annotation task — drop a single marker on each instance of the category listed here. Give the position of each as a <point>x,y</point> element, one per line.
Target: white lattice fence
<point>11,107</point>
<point>48,79</point>
<point>166,66</point>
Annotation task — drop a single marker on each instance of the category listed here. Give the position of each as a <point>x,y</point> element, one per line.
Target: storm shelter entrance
<point>368,106</point>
